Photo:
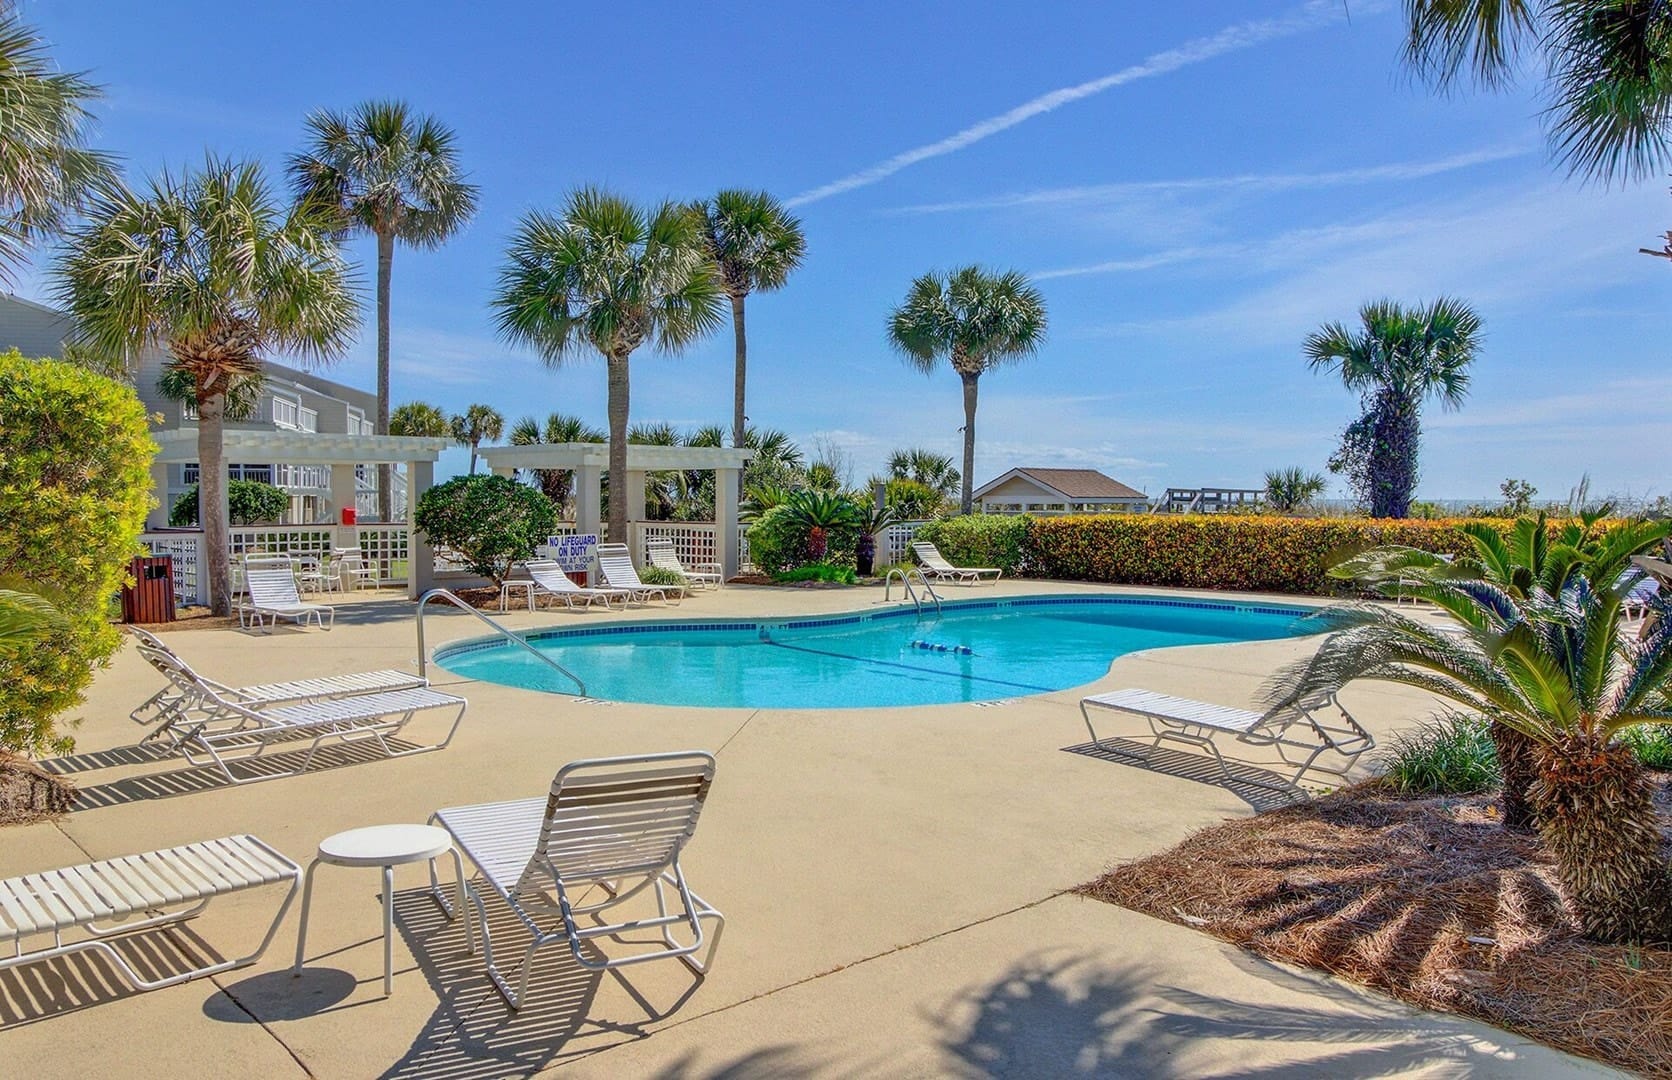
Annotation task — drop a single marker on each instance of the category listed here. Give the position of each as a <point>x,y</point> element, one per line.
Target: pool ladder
<point>514,638</point>
<point>906,577</point>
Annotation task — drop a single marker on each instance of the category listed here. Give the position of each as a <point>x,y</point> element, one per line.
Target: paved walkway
<point>895,883</point>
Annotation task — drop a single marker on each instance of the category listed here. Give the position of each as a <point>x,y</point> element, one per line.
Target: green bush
<point>819,571</point>
<point>999,540</point>
<point>778,541</point>
<point>1214,551</point>
<point>1450,755</point>
<point>656,575</point>
<point>1652,743</point>
<point>75,482</point>
<point>249,502</point>
<point>489,522</point>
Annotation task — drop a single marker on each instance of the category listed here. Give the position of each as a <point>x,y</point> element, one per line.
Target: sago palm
<point>384,170</point>
<point>1561,671</point>
<point>819,512</point>
<point>755,244</point>
<point>605,276</point>
<point>211,266</point>
<point>46,170</point>
<point>558,484</point>
<point>419,418</point>
<point>473,427</point>
<point>1607,70</point>
<point>1395,360</point>
<point>975,320</point>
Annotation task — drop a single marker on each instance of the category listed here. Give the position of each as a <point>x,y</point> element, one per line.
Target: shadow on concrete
<point>63,985</point>
<point>1260,788</point>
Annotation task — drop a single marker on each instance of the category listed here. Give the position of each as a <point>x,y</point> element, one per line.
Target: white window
<point>287,413</point>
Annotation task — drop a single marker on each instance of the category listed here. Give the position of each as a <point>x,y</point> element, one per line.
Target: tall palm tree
<point>558,484</point>
<point>476,425</point>
<point>46,169</point>
<point>1607,70</point>
<point>603,275</point>
<point>385,170</point>
<point>755,244</point>
<point>420,418</point>
<point>1561,670</point>
<point>925,467</point>
<point>1398,358</point>
<point>210,265</point>
<point>975,319</point>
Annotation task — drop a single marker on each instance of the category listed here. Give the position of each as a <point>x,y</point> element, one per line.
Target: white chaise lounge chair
<point>1304,729</point>
<point>661,554</point>
<point>162,887</point>
<point>549,580</point>
<point>271,584</point>
<point>211,728</point>
<point>616,824</point>
<point>616,565</point>
<point>170,705</point>
<point>936,568</point>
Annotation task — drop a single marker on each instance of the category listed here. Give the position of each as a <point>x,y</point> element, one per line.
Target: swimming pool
<point>977,650</point>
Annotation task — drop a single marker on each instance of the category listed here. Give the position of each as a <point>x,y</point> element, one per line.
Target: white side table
<point>388,846</point>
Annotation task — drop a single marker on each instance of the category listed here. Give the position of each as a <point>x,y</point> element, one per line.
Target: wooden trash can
<point>150,599</point>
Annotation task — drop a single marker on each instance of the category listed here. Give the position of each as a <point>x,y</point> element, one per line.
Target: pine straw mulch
<point>1429,900</point>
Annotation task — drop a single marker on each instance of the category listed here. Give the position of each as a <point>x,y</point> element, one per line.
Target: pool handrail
<point>510,635</point>
<point>911,594</point>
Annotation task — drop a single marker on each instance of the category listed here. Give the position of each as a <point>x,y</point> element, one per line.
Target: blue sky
<point>1194,187</point>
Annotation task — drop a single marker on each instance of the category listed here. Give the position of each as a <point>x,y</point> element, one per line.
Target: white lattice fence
<point>894,545</point>
<point>387,547</point>
<point>694,542</point>
<point>278,540</point>
<point>186,551</point>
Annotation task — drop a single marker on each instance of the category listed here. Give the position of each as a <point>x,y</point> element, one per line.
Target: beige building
<point>1058,491</point>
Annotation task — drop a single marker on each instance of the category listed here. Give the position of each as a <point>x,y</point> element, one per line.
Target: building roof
<point>178,445</point>
<point>1075,485</point>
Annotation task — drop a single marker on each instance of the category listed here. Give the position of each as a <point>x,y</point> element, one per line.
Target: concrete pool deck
<point>894,883</point>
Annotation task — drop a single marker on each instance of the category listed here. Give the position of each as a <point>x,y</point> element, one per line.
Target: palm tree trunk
<point>1597,819</point>
<point>385,270</point>
<point>967,500</point>
<point>740,350</point>
<point>1518,763</point>
<point>618,394</point>
<point>211,494</point>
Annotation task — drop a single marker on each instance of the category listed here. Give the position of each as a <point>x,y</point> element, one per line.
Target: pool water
<point>973,651</point>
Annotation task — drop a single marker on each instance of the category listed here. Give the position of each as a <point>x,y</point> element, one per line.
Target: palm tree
<point>1287,490</point>
<point>1607,70</point>
<point>420,418</point>
<point>558,484</point>
<point>211,266</point>
<point>755,244</point>
<point>46,170</point>
<point>975,319</point>
<point>818,512</point>
<point>925,467</point>
<point>383,170</point>
<point>243,394</point>
<point>476,425</point>
<point>1397,359</point>
<point>1560,670</point>
<point>605,276</point>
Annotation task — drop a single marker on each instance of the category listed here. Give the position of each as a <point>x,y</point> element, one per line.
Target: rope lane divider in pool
<point>915,668</point>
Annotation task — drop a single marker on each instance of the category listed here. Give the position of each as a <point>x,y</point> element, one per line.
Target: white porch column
<point>420,565</point>
<point>725,520</point>
<point>589,502</point>
<point>342,490</point>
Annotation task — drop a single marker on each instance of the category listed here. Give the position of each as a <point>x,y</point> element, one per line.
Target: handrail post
<point>517,639</point>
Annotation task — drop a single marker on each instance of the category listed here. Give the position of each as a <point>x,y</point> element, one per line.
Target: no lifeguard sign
<point>573,553</point>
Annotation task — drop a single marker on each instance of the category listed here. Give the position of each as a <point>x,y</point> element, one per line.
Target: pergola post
<point>635,509</point>
<point>420,556</point>
<point>589,499</point>
<point>725,521</point>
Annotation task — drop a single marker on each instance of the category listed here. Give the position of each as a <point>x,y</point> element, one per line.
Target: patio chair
<point>353,571</point>
<point>1302,729</point>
<point>170,705</point>
<point>210,728</point>
<point>618,824</point>
<point>616,566</point>
<point>660,552</point>
<point>548,579</point>
<point>162,887</point>
<point>936,568</point>
<point>271,584</point>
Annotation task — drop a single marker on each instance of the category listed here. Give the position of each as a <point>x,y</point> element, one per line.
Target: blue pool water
<point>974,651</point>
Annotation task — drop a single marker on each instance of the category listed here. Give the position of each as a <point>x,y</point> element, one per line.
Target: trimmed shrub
<point>489,522</point>
<point>778,541</point>
<point>837,575</point>
<point>999,540</point>
<point>655,575</point>
<point>1452,754</point>
<point>249,502</point>
<point>75,483</point>
<point>1216,551</point>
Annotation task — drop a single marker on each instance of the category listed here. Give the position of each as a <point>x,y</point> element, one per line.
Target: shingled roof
<point>1073,484</point>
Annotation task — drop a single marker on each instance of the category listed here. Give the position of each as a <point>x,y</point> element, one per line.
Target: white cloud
<point>1235,38</point>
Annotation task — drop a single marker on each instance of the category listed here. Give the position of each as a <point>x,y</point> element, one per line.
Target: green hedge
<point>249,502</point>
<point>999,540</point>
<point>1216,551</point>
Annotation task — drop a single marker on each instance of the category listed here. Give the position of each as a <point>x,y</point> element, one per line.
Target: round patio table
<point>386,846</point>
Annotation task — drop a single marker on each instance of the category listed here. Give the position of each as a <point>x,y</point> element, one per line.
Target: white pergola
<point>341,453</point>
<point>590,461</point>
